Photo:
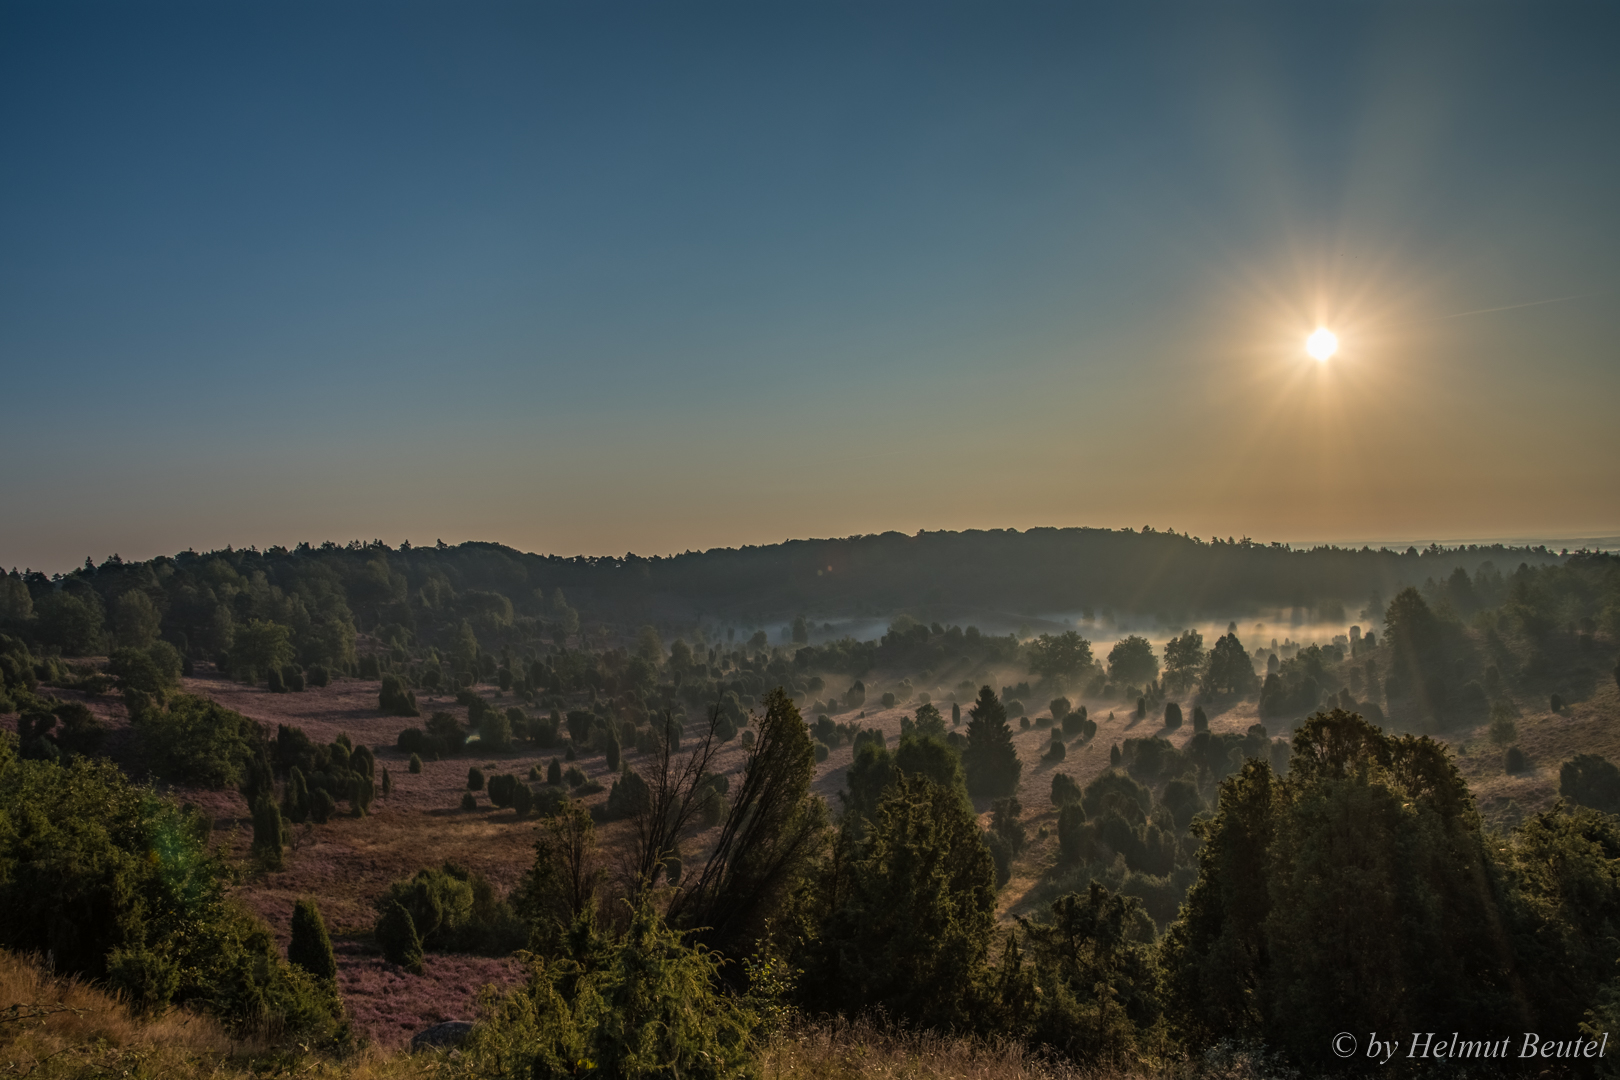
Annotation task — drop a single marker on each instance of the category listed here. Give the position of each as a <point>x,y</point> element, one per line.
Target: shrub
<point>387,784</point>
<point>628,797</point>
<point>475,779</point>
<point>1060,708</point>
<point>411,741</point>
<point>821,752</point>
<point>119,883</point>
<point>1200,720</point>
<point>274,680</point>
<point>1064,790</point>
<point>1056,752</point>
<point>574,776</point>
<point>321,806</point>
<point>269,832</point>
<point>311,947</point>
<point>647,1002</point>
<point>394,699</point>
<point>522,798</point>
<point>469,801</point>
<point>295,801</point>
<point>293,678</point>
<point>554,773</point>
<point>1172,715</point>
<point>396,933</point>
<point>1074,723</point>
<point>500,790</point>
<point>1503,729</point>
<point>1114,755</point>
<point>317,675</point>
<point>415,764</point>
<point>1515,761</point>
<point>195,741</point>
<point>1557,703</point>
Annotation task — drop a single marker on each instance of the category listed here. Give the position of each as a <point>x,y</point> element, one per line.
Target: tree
<point>801,631</point>
<point>269,832</point>
<point>1354,895</point>
<point>1591,780</point>
<point>649,646</point>
<point>311,947</point>
<point>910,912</point>
<point>260,647</point>
<point>1131,662</point>
<point>1059,657</point>
<point>770,834</point>
<point>1096,960</point>
<point>990,761</point>
<point>1183,661</point>
<point>70,622</point>
<point>396,933</point>
<point>135,620</point>
<point>646,1003</point>
<point>1229,669</point>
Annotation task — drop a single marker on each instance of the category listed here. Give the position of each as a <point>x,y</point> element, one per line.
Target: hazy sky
<point>604,278</point>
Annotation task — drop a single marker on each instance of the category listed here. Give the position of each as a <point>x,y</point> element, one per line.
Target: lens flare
<point>1322,344</point>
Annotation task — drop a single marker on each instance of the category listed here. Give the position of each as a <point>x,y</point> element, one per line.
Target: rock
<point>445,1036</point>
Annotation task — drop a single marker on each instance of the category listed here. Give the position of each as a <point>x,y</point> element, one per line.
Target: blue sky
<point>607,278</point>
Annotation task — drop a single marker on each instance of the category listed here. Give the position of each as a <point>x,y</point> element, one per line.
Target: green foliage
<point>1384,827</point>
<point>909,914</point>
<point>1098,977</point>
<point>645,1004</point>
<point>415,764</point>
<point>1131,662</point>
<point>1172,716</point>
<point>1062,656</point>
<point>396,934</point>
<point>990,761</point>
<point>1228,670</point>
<point>260,648</point>
<point>1591,780</point>
<point>475,779</point>
<point>1514,761</point>
<point>394,699</point>
<point>1064,790</point>
<point>71,621</point>
<point>1184,659</point>
<point>154,670</point>
<point>269,832</point>
<point>116,882</point>
<point>192,740</point>
<point>311,947</point>
<point>469,801</point>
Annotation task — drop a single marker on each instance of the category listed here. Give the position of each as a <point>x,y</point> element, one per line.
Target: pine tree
<point>311,947</point>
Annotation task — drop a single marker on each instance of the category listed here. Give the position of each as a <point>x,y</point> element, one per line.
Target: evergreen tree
<point>911,914</point>
<point>990,761</point>
<point>311,948</point>
<point>295,799</point>
<point>396,933</point>
<point>269,832</point>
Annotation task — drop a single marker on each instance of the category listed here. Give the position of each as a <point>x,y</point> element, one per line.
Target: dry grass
<point>844,1051</point>
<point>56,1028</point>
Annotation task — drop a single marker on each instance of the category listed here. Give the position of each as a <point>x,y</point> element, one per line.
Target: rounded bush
<point>469,801</point>
<point>415,765</point>
<point>475,779</point>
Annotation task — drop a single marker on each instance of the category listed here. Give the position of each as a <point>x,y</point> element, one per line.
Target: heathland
<point>985,803</point>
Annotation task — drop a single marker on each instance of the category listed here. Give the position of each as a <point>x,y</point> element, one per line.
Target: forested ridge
<point>1038,571</point>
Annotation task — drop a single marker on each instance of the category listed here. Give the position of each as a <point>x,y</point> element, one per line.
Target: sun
<point>1322,344</point>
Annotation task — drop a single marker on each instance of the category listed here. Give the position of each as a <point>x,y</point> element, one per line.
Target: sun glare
<point>1322,344</point>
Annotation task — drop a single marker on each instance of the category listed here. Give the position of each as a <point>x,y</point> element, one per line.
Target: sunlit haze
<point>649,278</point>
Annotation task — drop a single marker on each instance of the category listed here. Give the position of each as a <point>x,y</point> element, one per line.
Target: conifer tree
<point>269,832</point>
<point>311,947</point>
<point>990,761</point>
<point>396,933</point>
